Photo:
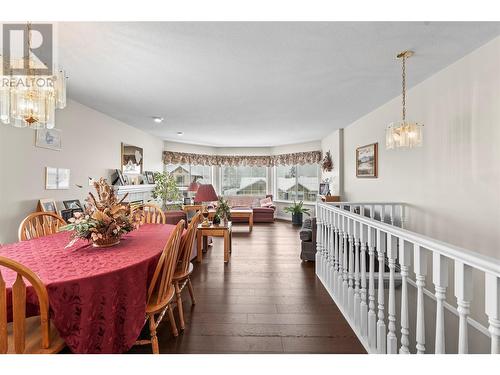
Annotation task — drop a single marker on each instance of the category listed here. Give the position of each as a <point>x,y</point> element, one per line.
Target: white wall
<point>334,143</point>
<point>453,181</point>
<point>91,148</point>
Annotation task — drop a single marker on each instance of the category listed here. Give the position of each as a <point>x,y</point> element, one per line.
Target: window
<point>297,182</point>
<point>242,180</point>
<point>184,174</point>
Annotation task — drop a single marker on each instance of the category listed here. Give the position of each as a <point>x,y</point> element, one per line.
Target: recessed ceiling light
<point>180,134</point>
<point>157,119</point>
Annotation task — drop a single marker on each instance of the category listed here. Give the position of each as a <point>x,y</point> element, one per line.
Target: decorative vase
<point>106,242</point>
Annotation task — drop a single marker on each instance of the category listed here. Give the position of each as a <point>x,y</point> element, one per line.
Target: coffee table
<point>246,213</point>
<point>221,230</point>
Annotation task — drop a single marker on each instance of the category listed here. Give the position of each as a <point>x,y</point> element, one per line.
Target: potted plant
<point>165,189</point>
<point>297,210</point>
<point>223,210</point>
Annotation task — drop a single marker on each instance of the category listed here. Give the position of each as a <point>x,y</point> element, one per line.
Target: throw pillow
<point>266,202</point>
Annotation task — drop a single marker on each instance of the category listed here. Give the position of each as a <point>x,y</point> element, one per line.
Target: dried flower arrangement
<point>327,163</point>
<point>105,219</point>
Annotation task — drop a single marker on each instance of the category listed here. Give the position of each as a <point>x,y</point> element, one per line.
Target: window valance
<point>310,157</point>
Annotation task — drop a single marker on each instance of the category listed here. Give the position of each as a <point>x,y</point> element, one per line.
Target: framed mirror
<point>132,159</point>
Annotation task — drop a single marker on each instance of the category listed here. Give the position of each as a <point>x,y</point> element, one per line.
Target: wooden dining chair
<point>153,214</point>
<point>161,292</point>
<point>39,224</point>
<point>182,275</point>
<point>26,335</point>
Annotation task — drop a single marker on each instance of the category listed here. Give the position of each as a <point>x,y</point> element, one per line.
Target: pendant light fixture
<point>404,133</point>
<point>30,100</point>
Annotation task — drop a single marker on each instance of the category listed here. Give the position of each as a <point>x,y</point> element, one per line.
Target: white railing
<point>387,212</point>
<point>347,241</point>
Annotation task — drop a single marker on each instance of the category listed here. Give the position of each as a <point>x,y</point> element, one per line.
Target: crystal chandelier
<point>403,133</point>
<point>30,100</point>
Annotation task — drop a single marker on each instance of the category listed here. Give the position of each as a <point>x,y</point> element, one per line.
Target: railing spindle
<point>392,342</point>
<point>492,308</point>
<point>404,262</point>
<point>463,292</point>
<point>420,267</point>
<point>363,305</point>
<point>357,297</point>
<point>350,301</point>
<point>381,334</point>
<point>440,280</point>
<point>372,317</point>
<point>345,296</point>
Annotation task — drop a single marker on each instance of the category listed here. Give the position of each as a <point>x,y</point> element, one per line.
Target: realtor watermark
<point>27,55</point>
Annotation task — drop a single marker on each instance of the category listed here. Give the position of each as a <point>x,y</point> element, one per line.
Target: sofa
<point>260,214</point>
<point>308,238</point>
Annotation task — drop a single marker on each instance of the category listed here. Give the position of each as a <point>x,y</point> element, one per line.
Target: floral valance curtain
<point>311,157</point>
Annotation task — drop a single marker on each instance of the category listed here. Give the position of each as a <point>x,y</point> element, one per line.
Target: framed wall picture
<point>48,138</point>
<point>47,205</point>
<point>72,204</point>
<point>56,178</point>
<point>132,159</point>
<point>367,161</point>
<point>324,188</point>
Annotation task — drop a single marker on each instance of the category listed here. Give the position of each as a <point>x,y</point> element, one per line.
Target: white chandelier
<point>31,100</point>
<point>403,133</point>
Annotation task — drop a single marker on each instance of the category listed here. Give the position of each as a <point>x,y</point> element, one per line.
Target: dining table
<point>97,296</point>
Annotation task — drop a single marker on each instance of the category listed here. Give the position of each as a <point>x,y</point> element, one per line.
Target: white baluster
<point>440,280</point>
<point>345,296</point>
<point>327,249</point>
<point>340,260</point>
<point>391,212</point>
<point>404,262</point>
<point>403,219</point>
<point>372,318</point>
<point>381,334</point>
<point>318,240</point>
<point>351,268</point>
<point>492,309</point>
<point>420,267</point>
<point>357,297</point>
<point>392,342</point>
<point>463,292</point>
<point>364,306</point>
<point>372,211</point>
<point>336,254</point>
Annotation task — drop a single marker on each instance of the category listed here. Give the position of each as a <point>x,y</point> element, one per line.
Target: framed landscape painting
<point>367,161</point>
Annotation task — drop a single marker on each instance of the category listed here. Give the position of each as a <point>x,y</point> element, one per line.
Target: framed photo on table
<point>47,205</point>
<point>72,204</point>
<point>367,161</point>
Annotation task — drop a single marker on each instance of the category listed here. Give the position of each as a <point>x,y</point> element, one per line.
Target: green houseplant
<point>223,210</point>
<point>165,189</point>
<point>297,210</point>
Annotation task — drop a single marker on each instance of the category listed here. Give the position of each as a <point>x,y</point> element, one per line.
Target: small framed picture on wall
<point>367,161</point>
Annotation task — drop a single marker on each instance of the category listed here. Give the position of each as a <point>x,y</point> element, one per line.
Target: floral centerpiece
<point>105,219</point>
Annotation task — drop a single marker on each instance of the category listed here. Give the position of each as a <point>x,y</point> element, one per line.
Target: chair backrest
<point>164,272</point>
<point>153,214</point>
<point>39,224</point>
<point>19,307</point>
<point>187,243</point>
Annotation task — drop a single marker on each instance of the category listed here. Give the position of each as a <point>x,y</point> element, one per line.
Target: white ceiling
<point>253,84</point>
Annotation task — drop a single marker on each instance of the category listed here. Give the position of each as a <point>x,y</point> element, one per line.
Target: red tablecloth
<point>97,296</point>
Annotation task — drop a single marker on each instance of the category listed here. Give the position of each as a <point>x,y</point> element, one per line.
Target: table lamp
<point>205,193</point>
<point>193,188</point>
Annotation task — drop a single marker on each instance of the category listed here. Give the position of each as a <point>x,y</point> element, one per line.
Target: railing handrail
<point>482,262</point>
<point>367,203</point>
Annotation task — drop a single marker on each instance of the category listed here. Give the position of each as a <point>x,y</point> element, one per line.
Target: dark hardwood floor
<point>264,301</point>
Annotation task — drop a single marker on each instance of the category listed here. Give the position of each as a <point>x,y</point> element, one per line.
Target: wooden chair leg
<point>180,308</point>
<point>154,339</point>
<point>172,322</point>
<point>191,292</point>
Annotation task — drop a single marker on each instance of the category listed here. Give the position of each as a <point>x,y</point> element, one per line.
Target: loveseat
<point>260,214</point>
